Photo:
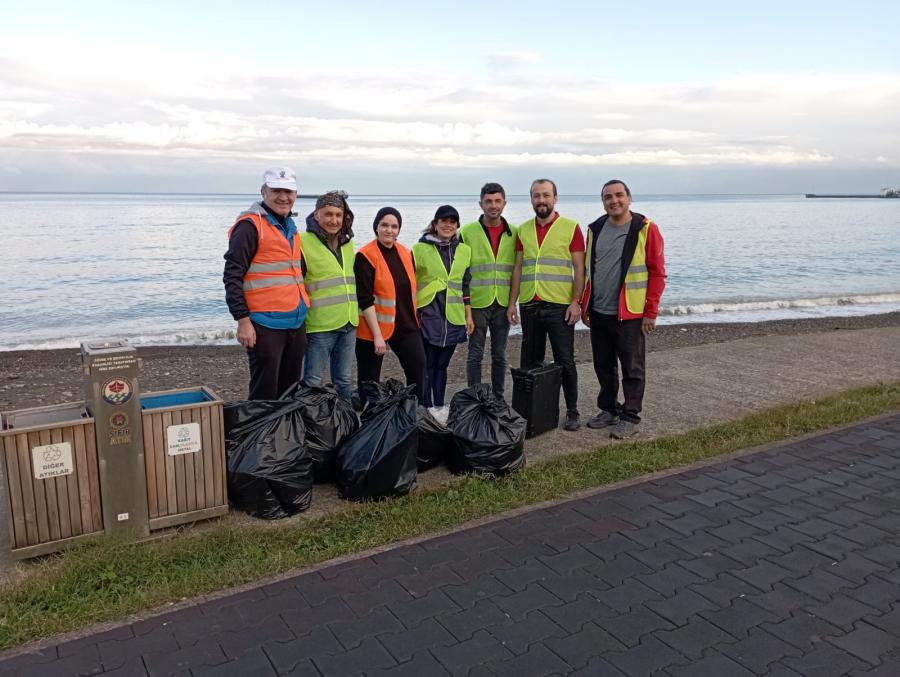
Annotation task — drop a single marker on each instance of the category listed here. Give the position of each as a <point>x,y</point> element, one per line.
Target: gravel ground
<point>31,378</point>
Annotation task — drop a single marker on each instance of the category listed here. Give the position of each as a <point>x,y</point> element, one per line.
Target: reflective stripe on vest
<point>635,285</point>
<point>273,282</point>
<point>637,276</point>
<point>547,270</point>
<point>331,286</point>
<point>432,277</point>
<point>385,291</point>
<point>491,276</point>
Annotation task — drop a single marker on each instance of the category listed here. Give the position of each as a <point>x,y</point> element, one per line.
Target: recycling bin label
<point>52,460</point>
<point>183,439</point>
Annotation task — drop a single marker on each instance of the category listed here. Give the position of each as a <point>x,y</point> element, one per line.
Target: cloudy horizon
<point>112,102</point>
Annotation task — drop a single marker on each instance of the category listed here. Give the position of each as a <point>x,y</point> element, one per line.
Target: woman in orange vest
<point>386,293</point>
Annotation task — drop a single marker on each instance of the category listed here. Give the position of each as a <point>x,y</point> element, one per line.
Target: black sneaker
<point>603,419</point>
<point>573,421</point>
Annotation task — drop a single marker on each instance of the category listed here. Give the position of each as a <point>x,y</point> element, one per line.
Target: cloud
<point>511,59</point>
<point>226,113</point>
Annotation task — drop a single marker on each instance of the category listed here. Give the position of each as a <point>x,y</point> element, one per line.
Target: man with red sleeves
<point>625,273</point>
<point>547,281</point>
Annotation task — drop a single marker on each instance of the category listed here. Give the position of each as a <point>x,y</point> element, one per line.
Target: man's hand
<point>380,346</point>
<point>573,312</point>
<point>648,325</point>
<point>470,320</point>
<point>246,333</point>
<point>512,314</point>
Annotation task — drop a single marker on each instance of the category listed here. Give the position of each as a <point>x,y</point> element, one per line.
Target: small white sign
<point>183,438</point>
<point>52,460</point>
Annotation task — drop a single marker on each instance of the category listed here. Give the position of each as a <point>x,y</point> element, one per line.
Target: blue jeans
<point>330,347</point>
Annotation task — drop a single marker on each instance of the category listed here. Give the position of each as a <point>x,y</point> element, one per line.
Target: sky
<point>410,98</point>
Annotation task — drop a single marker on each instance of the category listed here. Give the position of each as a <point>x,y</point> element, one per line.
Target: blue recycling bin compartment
<point>184,456</point>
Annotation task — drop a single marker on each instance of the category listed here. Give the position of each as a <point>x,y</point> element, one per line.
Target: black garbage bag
<point>436,442</point>
<point>270,475</point>
<point>329,420</point>
<point>489,434</point>
<point>374,393</point>
<point>379,459</point>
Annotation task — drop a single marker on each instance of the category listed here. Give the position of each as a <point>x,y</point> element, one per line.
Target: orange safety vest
<point>385,292</point>
<point>274,280</point>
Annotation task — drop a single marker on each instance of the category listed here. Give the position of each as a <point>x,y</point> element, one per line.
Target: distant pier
<point>848,195</point>
<point>885,193</point>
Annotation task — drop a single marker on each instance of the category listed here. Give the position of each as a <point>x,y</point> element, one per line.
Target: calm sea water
<point>149,267</point>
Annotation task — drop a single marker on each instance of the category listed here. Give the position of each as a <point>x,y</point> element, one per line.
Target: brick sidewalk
<point>782,562</point>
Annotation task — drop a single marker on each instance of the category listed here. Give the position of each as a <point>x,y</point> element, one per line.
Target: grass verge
<point>104,580</point>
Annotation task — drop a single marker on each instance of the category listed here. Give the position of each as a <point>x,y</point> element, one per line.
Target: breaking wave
<point>749,306</point>
<point>716,311</point>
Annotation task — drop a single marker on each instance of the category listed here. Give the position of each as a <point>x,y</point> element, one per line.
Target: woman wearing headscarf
<point>386,293</point>
<point>442,297</point>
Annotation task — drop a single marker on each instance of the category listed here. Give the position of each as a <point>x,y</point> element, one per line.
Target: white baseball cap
<point>280,177</point>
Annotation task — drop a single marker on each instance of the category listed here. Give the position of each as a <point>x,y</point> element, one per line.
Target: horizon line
<point>315,195</point>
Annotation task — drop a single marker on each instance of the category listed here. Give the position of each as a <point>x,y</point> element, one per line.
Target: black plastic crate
<point>536,397</point>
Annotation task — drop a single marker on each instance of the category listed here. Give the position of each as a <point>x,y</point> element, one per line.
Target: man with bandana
<point>333,312</point>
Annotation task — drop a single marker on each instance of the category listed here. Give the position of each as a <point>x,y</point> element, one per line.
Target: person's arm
<point>365,296</point>
<point>372,320</point>
<point>512,312</point>
<point>467,300</point>
<point>573,312</point>
<point>656,278</point>
<point>242,246</point>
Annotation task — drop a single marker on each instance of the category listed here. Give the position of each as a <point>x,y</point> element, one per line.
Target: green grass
<point>105,579</point>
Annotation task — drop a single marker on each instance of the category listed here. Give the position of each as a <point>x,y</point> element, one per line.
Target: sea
<point>148,267</point>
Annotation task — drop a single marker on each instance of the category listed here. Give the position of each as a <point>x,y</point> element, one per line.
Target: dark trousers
<point>276,361</point>
<point>437,360</point>
<point>612,342</point>
<point>409,351</point>
<point>493,319</point>
<point>539,321</point>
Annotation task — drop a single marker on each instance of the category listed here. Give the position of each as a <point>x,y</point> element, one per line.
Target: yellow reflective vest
<point>432,277</point>
<point>634,289</point>
<point>491,275</point>
<point>547,270</point>
<point>331,286</point>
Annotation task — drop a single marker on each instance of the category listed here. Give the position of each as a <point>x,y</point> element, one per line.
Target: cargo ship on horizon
<point>884,193</point>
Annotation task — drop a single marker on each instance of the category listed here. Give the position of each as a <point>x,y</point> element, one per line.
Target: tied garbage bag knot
<point>379,459</point>
<point>489,434</point>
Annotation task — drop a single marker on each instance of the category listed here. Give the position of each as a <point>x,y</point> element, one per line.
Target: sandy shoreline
<point>36,377</point>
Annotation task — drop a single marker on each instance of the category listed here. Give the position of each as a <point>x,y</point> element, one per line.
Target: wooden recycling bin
<point>51,475</point>
<point>184,456</point>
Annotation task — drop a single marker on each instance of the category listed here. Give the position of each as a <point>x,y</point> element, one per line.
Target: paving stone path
<point>781,562</point>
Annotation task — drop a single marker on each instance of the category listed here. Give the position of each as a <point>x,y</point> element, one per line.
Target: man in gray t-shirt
<point>627,278</point>
<point>606,265</point>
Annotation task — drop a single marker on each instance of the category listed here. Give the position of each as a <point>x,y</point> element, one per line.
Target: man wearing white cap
<point>264,286</point>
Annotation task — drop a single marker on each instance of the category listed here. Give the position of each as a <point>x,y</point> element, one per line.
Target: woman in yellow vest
<point>386,293</point>
<point>331,285</point>
<point>442,297</point>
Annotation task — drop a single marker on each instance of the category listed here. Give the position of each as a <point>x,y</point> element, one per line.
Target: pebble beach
<point>31,378</point>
